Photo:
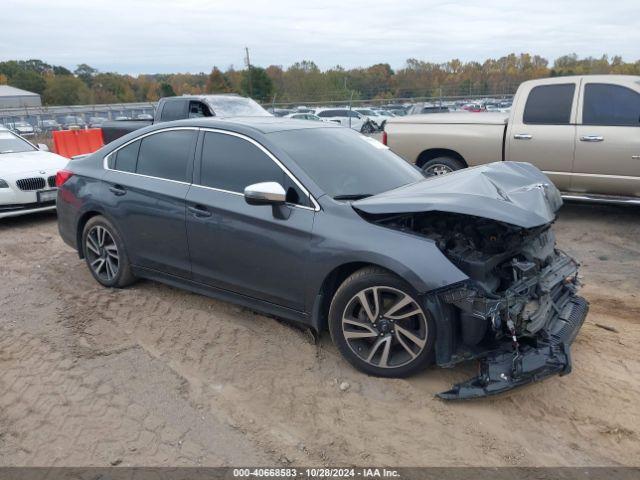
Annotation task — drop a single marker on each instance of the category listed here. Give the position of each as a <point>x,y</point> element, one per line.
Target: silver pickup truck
<point>582,131</point>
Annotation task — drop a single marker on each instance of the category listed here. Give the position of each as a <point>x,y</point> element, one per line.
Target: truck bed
<point>484,118</point>
<point>118,128</point>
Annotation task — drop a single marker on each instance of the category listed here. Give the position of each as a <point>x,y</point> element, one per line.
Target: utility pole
<point>248,63</point>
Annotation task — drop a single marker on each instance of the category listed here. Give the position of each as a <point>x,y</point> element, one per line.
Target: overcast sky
<point>153,36</point>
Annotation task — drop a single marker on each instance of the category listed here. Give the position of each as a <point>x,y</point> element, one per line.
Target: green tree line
<point>304,81</point>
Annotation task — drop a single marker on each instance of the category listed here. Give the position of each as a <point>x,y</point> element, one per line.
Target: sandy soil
<point>152,375</point>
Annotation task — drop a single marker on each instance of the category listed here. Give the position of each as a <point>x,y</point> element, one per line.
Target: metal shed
<point>11,97</point>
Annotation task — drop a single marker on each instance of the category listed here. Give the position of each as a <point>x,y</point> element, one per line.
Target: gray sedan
<point>317,224</point>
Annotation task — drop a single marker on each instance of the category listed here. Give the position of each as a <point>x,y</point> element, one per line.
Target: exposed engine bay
<point>518,311</point>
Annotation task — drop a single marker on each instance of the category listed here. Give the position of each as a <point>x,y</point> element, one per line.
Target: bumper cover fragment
<point>504,369</point>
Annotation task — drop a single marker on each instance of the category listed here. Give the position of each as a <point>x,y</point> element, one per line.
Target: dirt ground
<point>152,375</point>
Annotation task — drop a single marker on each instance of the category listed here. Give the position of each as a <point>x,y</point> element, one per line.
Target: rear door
<point>542,130</point>
<point>607,147</point>
<point>258,251</point>
<point>148,180</point>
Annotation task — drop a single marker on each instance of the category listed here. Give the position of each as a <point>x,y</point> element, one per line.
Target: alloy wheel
<point>102,253</point>
<point>437,169</point>
<point>385,327</point>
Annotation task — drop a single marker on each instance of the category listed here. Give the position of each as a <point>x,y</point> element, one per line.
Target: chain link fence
<point>37,123</point>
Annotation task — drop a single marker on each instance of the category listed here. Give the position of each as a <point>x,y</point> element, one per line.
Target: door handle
<point>199,211</point>
<point>522,136</point>
<point>591,138</point>
<point>117,190</point>
<point>635,157</point>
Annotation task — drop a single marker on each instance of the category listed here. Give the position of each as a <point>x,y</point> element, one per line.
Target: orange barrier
<point>69,143</point>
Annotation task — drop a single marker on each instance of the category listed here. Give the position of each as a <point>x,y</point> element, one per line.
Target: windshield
<point>367,112</point>
<point>10,143</point>
<point>236,107</point>
<point>344,163</point>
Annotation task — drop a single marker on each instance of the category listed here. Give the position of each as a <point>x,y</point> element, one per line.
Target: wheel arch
<point>330,284</point>
<point>432,153</point>
<point>82,221</point>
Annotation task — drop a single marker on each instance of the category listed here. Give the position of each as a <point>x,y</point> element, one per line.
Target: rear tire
<point>441,166</point>
<point>105,253</point>
<point>392,336</point>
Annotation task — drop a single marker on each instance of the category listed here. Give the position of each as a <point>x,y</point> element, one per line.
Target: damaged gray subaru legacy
<point>317,224</point>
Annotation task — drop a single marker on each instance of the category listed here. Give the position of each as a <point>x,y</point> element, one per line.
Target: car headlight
<point>3,184</point>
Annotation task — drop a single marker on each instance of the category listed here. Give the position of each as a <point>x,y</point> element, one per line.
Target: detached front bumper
<point>506,367</point>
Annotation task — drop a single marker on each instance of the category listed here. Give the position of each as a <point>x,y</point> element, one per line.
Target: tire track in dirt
<point>269,384</point>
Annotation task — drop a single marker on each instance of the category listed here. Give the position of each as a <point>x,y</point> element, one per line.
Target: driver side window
<point>232,163</point>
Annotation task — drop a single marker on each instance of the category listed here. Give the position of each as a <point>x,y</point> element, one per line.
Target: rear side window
<point>606,104</point>
<point>549,104</point>
<point>198,110</point>
<point>173,110</point>
<point>166,155</point>
<point>232,163</point>
<point>127,157</point>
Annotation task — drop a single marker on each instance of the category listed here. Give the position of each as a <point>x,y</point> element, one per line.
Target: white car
<point>22,128</point>
<point>347,118</point>
<point>304,116</point>
<point>27,176</point>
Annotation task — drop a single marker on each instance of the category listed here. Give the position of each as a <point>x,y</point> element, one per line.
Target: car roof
<point>242,124</point>
<point>322,109</point>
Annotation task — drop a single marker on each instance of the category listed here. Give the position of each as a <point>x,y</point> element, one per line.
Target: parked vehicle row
<point>582,131</point>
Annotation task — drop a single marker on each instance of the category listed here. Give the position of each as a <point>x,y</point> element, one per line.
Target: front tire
<point>105,254</point>
<point>378,324</point>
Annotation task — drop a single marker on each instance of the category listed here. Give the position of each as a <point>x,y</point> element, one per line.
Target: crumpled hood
<point>510,192</point>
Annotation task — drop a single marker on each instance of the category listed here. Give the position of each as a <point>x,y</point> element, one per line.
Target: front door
<point>258,251</point>
<point>543,134</point>
<point>607,155</point>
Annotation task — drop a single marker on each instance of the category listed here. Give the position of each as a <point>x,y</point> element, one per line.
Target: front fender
<point>341,237</point>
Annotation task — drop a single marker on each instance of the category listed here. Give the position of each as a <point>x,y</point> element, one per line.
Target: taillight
<point>384,138</point>
<point>62,176</point>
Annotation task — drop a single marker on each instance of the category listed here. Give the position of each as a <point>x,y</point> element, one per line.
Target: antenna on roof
<point>247,62</point>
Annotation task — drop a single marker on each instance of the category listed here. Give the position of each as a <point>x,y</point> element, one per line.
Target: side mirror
<point>265,193</point>
<point>43,147</point>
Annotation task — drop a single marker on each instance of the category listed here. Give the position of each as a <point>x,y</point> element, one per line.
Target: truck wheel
<point>441,166</point>
<point>378,324</point>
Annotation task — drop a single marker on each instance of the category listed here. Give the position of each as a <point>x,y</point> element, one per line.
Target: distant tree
<point>111,88</point>
<point>37,66</point>
<point>166,90</point>
<point>66,90</point>
<point>305,82</point>
<point>60,70</point>
<point>29,80</point>
<point>217,82</point>
<point>85,73</point>
<point>257,84</point>
<point>3,79</point>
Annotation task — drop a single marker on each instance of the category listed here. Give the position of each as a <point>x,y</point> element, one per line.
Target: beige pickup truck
<point>582,131</point>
